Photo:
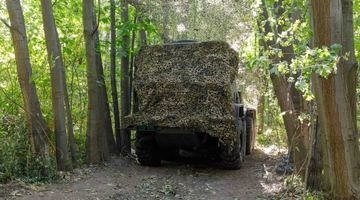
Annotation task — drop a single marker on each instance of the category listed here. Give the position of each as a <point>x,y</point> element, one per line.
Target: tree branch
<point>98,20</point>
<point>10,27</point>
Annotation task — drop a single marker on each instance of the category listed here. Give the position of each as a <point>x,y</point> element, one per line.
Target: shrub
<point>16,159</point>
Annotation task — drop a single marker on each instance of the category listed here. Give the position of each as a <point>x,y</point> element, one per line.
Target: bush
<point>16,159</point>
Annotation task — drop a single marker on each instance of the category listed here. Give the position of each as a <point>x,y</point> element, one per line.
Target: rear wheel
<point>146,149</point>
<point>230,155</point>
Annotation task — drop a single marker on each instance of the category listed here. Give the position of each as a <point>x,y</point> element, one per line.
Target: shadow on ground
<point>186,178</point>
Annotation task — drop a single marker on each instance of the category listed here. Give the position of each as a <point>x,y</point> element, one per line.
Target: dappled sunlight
<point>273,150</point>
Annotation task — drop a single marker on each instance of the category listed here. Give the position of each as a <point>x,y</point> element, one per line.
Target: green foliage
<point>321,61</point>
<point>16,159</point>
<point>296,33</point>
<point>68,18</point>
<point>290,28</point>
<point>274,131</point>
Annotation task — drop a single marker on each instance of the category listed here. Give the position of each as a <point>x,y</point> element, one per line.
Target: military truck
<point>187,99</point>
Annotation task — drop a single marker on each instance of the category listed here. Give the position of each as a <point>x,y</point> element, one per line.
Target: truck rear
<point>187,99</point>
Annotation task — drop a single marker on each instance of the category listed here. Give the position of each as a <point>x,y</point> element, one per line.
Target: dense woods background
<point>66,73</point>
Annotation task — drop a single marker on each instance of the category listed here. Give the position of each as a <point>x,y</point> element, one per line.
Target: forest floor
<point>184,179</point>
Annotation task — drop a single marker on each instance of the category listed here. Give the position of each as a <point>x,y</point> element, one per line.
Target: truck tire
<point>231,157</point>
<point>249,134</point>
<point>146,149</point>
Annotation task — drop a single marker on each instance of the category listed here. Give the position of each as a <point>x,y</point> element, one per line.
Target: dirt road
<point>190,179</point>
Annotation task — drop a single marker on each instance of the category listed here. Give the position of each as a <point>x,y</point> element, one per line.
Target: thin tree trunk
<point>70,127</point>
<point>114,92</point>
<point>351,66</point>
<point>334,97</point>
<point>132,58</point>
<point>194,24</point>
<point>125,90</point>
<point>37,128</point>
<point>142,43</point>
<point>185,18</point>
<point>314,169</point>
<point>166,10</point>
<point>57,85</point>
<point>143,37</point>
<point>261,114</point>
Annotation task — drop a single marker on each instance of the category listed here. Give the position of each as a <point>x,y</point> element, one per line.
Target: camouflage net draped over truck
<point>187,86</point>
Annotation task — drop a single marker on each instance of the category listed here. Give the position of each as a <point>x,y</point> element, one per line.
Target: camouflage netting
<point>188,86</point>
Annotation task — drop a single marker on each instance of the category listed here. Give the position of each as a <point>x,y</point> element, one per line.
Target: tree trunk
<point>95,135</point>
<point>261,114</point>
<point>57,85</point>
<point>141,43</point>
<point>335,97</point>
<point>184,18</point>
<point>143,37</point>
<point>70,127</point>
<point>37,128</point>
<point>106,138</point>
<point>132,58</point>
<point>125,90</point>
<point>351,66</point>
<point>316,177</point>
<point>166,10</point>
<point>317,171</point>
<point>290,101</point>
<point>109,146</point>
<point>114,92</point>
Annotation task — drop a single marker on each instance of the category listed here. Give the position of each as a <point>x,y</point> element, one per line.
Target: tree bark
<point>106,139</point>
<point>140,11</point>
<point>335,97</point>
<point>37,128</point>
<point>109,145</point>
<point>316,178</point>
<point>166,8</point>
<point>57,85</point>
<point>114,92</point>
<point>70,126</point>
<point>143,37</point>
<point>261,114</point>
<point>185,18</point>
<point>141,43</point>
<point>95,134</point>
<point>132,57</point>
<point>125,90</point>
